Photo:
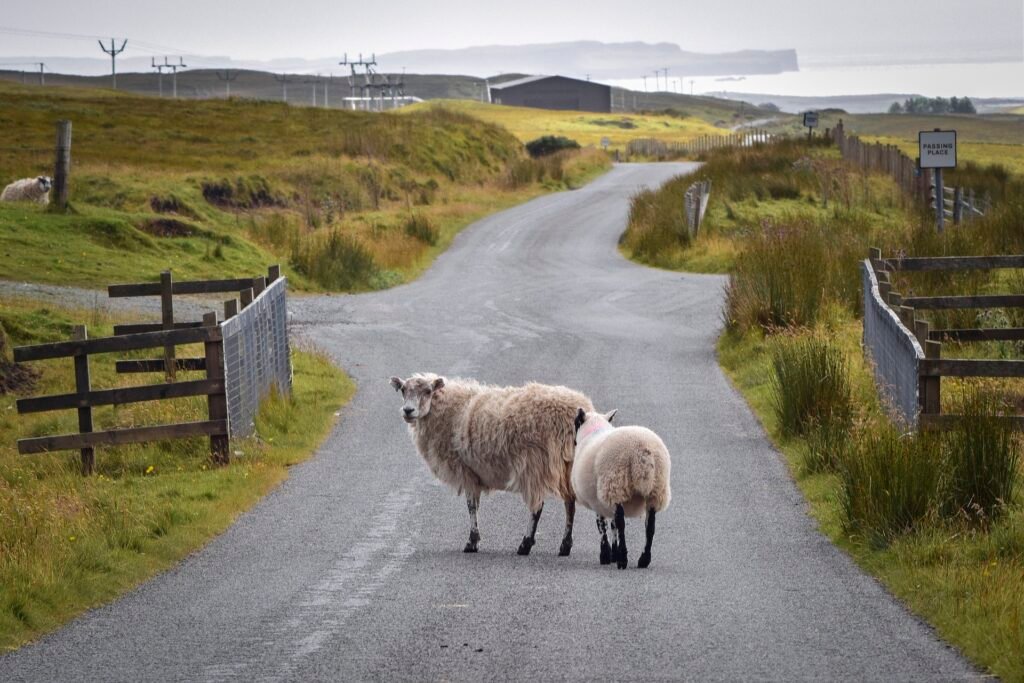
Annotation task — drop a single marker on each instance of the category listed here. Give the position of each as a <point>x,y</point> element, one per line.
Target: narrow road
<point>353,570</point>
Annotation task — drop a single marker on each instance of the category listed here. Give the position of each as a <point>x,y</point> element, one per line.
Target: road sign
<point>937,148</point>
<point>810,119</point>
<point>605,142</point>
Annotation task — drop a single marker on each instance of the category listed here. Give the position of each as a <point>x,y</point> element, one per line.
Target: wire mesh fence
<point>894,352</point>
<point>256,356</point>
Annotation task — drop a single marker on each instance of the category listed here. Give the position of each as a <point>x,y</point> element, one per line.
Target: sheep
<point>479,438</point>
<point>28,190</point>
<point>618,473</point>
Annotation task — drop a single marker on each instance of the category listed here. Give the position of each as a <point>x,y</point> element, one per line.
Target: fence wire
<point>894,353</point>
<point>256,356</point>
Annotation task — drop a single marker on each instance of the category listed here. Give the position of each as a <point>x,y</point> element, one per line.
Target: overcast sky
<point>266,29</point>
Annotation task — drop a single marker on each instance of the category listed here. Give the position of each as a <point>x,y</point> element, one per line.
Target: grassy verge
<point>185,185</point>
<point>938,519</point>
<point>68,543</point>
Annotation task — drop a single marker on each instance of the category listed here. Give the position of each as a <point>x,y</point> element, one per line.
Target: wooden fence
<point>167,335</point>
<point>960,204</point>
<point>933,367</point>
<point>659,149</point>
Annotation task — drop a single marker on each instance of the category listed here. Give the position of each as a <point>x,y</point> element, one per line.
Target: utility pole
<point>42,79</point>
<point>113,52</point>
<point>174,74</point>
<point>227,76</point>
<point>645,82</point>
<point>667,87</point>
<point>159,75</point>
<point>283,80</point>
<point>691,87</point>
<point>330,77</point>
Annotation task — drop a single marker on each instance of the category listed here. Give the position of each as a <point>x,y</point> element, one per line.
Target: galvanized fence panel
<point>894,352</point>
<point>256,356</point>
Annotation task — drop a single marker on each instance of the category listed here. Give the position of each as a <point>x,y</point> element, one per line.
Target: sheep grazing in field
<point>618,473</point>
<point>478,438</point>
<point>28,190</point>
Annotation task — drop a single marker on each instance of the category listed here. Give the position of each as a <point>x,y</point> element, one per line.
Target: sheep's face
<point>417,391</point>
<point>588,423</point>
<point>44,183</point>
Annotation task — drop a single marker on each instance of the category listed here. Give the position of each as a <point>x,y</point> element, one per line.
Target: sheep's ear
<point>581,417</point>
<point>437,384</point>
<point>397,383</point>
<point>610,414</point>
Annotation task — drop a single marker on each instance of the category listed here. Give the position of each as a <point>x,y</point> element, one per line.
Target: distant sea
<point>989,79</point>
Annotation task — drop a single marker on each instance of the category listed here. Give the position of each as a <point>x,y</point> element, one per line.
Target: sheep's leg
<point>473,503</point>
<point>570,515</point>
<point>606,550</point>
<point>620,527</point>
<point>530,538</point>
<point>615,540</point>
<point>645,558</point>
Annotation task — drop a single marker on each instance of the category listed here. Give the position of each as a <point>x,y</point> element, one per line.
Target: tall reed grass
<point>810,385</point>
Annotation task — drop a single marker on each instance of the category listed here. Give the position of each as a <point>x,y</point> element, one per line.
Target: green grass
<point>586,128</point>
<point>69,543</point>
<point>219,186</point>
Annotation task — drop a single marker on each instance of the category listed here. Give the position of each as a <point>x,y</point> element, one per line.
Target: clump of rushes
<point>422,228</point>
<point>336,261</point>
<point>810,386</point>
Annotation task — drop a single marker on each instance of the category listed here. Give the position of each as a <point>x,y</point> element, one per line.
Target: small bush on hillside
<point>810,385</point>
<point>336,261</point>
<point>549,144</point>
<point>422,228</point>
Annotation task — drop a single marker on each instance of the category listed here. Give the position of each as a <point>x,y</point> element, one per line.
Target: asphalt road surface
<point>353,569</point>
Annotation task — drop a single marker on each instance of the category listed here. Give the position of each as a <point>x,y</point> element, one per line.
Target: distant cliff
<point>600,60</point>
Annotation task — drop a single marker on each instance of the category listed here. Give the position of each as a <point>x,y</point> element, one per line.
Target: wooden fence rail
<point>932,368</point>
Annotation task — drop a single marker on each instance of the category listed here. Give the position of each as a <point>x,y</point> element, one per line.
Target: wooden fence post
<point>230,309</point>
<point>82,386</point>
<point>245,296</point>
<point>958,205</point>
<point>62,167</point>
<point>217,404</point>
<point>273,272</point>
<point>167,312</point>
<point>258,285</point>
<point>929,388</point>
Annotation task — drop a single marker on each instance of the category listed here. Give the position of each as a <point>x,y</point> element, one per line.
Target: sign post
<point>938,151</point>
<point>810,122</point>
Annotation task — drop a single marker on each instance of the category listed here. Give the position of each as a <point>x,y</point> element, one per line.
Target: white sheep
<point>620,472</point>
<point>28,190</point>
<point>479,438</point>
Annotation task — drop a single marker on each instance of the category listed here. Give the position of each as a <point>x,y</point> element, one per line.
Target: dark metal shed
<point>553,92</point>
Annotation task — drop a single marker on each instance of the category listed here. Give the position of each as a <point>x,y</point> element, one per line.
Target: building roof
<point>532,79</point>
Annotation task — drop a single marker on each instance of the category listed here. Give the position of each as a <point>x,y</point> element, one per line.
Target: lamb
<point>479,438</point>
<point>28,190</point>
<point>620,472</point>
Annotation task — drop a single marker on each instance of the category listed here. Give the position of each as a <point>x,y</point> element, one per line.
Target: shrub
<point>890,483</point>
<point>549,144</point>
<point>336,261</point>
<point>422,228</point>
<point>779,279</point>
<point>810,385</point>
<point>982,457</point>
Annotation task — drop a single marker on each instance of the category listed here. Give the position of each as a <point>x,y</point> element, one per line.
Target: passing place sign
<point>937,148</point>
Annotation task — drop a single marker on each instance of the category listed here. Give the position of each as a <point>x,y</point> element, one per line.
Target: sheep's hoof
<point>606,554</point>
<point>470,548</point>
<point>623,562</point>
<point>525,546</point>
<point>644,561</point>
<point>566,547</point>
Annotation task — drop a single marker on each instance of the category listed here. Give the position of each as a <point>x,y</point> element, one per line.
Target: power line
<point>227,76</point>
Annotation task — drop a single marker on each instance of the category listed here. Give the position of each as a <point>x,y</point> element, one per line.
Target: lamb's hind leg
<point>606,550</point>
<point>621,558</point>
<point>530,538</point>
<point>473,503</point>
<point>645,558</point>
<point>570,515</point>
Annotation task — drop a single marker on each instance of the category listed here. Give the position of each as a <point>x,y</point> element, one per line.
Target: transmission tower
<point>227,76</point>
<point>283,80</point>
<point>159,75</point>
<point>113,52</point>
<point>368,74</point>
<point>174,74</point>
